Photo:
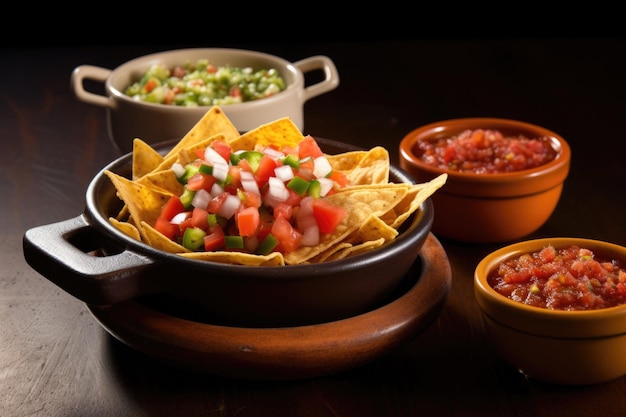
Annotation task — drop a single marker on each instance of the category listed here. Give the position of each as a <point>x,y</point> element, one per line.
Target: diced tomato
<point>171,208</point>
<point>247,221</point>
<point>234,172</point>
<point>327,215</point>
<point>199,153</point>
<point>294,198</point>
<point>265,170</point>
<point>306,169</point>
<point>216,203</point>
<point>251,199</point>
<point>185,224</point>
<point>244,164</point>
<point>288,237</point>
<point>214,239</point>
<point>166,228</point>
<point>150,85</point>
<point>222,148</point>
<point>308,147</point>
<point>283,209</point>
<point>200,218</point>
<point>339,177</point>
<point>201,181</point>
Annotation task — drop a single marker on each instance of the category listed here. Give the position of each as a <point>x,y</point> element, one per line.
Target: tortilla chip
<point>281,133</point>
<point>145,159</point>
<point>159,241</point>
<point>164,181</point>
<point>357,249</point>
<point>418,194</point>
<point>238,258</point>
<point>128,229</point>
<point>374,228</point>
<point>213,122</point>
<point>144,203</point>
<point>373,168</point>
<point>188,154</point>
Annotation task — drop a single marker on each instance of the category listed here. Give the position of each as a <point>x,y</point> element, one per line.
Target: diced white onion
<point>220,171</point>
<point>216,190</point>
<point>251,186</point>
<point>248,182</point>
<point>178,169</point>
<point>180,217</point>
<point>213,157</point>
<point>230,206</point>
<point>201,199</point>
<point>304,215</point>
<point>277,189</point>
<point>326,185</point>
<point>310,236</point>
<point>283,173</point>
<point>322,167</point>
<point>273,153</point>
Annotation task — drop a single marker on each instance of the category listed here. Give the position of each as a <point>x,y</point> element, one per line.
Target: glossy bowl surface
<point>563,347</point>
<point>225,294</point>
<point>489,208</point>
<point>154,123</point>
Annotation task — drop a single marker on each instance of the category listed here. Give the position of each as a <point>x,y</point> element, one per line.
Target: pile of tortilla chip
<point>376,207</point>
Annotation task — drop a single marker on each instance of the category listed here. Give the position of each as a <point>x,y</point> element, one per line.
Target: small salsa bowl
<point>569,347</point>
<point>489,207</point>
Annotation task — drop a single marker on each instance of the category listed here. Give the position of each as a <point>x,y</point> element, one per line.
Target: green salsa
<point>204,84</point>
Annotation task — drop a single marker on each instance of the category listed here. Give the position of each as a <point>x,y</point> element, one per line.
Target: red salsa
<point>571,278</point>
<point>485,151</point>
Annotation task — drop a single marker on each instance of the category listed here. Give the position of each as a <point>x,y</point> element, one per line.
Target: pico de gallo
<point>203,84</point>
<point>254,201</point>
<point>570,278</point>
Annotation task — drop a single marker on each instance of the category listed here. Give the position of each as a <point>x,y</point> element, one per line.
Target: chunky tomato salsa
<point>571,278</point>
<point>485,151</point>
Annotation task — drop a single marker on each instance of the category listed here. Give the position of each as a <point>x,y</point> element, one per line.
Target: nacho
<point>269,196</point>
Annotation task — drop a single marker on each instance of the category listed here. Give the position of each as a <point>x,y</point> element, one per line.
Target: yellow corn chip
<point>282,132</point>
<point>144,203</point>
<point>145,159</point>
<point>238,258</point>
<point>127,228</point>
<point>212,123</point>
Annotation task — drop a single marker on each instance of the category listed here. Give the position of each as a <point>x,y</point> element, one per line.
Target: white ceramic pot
<point>153,123</point>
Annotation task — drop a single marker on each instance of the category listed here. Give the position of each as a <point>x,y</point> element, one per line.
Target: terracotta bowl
<point>129,119</point>
<point>224,294</point>
<point>572,347</point>
<point>488,208</point>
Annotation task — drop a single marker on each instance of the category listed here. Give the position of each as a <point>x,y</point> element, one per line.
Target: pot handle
<point>90,72</point>
<point>68,254</point>
<point>331,76</point>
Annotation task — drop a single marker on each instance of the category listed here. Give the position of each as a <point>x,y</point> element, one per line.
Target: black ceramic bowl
<point>90,259</point>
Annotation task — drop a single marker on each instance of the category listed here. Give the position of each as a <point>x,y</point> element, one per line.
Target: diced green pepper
<point>190,170</point>
<point>187,197</point>
<point>206,169</point>
<point>233,242</point>
<point>315,189</point>
<point>193,238</point>
<point>253,158</point>
<point>292,161</point>
<point>267,245</point>
<point>298,184</point>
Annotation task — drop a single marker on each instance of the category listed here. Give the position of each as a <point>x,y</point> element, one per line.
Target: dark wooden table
<point>55,360</point>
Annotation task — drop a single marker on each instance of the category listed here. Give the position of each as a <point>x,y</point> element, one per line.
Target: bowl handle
<point>331,76</point>
<point>71,254</point>
<point>90,72</point>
